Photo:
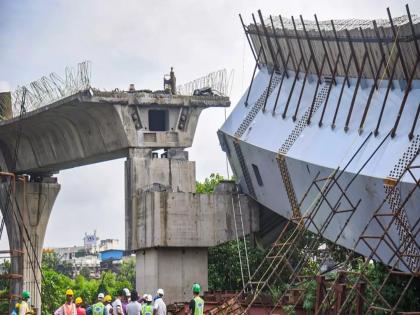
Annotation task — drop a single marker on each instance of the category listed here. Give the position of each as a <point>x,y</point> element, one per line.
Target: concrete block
<point>173,269</point>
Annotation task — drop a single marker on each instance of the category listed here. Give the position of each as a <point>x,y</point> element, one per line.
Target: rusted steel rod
<point>323,44</point>
<point>259,39</point>
<point>381,47</point>
<point>268,90</point>
<point>311,50</point>
<point>356,88</point>
<point>247,37</point>
<point>286,37</point>
<point>411,135</point>
<point>386,96</point>
<point>279,49</point>
<point>303,87</point>
<point>316,92</point>
<point>329,91</point>
<point>404,100</point>
<point>252,79</point>
<point>281,84</point>
<point>397,43</point>
<point>299,44</point>
<point>342,90</point>
<point>292,88</point>
<point>372,63</point>
<point>270,47</point>
<point>340,53</point>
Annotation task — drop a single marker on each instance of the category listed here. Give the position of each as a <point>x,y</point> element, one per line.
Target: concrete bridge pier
<point>26,224</point>
<point>170,227</point>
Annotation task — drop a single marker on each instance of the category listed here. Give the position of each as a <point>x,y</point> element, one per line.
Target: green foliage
<point>223,265</point>
<point>128,272</point>
<point>207,187</point>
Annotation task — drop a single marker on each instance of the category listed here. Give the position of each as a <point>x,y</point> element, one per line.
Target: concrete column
<point>170,227</point>
<point>26,224</point>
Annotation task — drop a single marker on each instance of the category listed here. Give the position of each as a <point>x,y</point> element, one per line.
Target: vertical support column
<point>26,224</point>
<point>159,262</point>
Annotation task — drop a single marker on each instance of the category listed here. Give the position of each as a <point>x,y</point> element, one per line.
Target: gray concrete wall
<point>173,269</point>
<point>189,220</point>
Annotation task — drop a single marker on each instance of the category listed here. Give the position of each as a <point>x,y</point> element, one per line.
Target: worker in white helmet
<point>159,307</point>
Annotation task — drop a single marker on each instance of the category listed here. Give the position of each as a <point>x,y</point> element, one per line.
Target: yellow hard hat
<point>17,306</point>
<point>107,298</point>
<point>69,292</point>
<point>78,300</point>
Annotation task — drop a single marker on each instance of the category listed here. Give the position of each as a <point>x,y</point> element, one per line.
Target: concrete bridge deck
<point>93,126</point>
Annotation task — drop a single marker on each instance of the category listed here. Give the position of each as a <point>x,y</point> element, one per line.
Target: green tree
<point>224,270</point>
<point>207,187</point>
<point>128,272</point>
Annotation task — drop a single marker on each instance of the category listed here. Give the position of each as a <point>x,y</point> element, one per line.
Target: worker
<point>117,305</point>
<point>197,303</point>
<point>68,308</point>
<point>159,306</point>
<point>24,307</point>
<point>147,308</point>
<point>134,307</point>
<point>107,303</point>
<point>79,306</point>
<point>15,310</point>
<point>125,300</point>
<point>99,307</point>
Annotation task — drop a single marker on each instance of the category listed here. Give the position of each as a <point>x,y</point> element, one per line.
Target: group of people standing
<point>126,303</point>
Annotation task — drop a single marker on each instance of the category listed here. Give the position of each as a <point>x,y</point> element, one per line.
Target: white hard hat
<point>149,298</point>
<point>101,296</point>
<point>127,292</point>
<point>160,292</point>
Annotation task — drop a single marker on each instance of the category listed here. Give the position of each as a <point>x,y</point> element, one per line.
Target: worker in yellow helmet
<point>68,308</point>
<point>79,306</point>
<point>107,303</point>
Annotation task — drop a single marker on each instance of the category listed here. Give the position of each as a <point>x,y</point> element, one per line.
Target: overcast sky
<point>137,42</point>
